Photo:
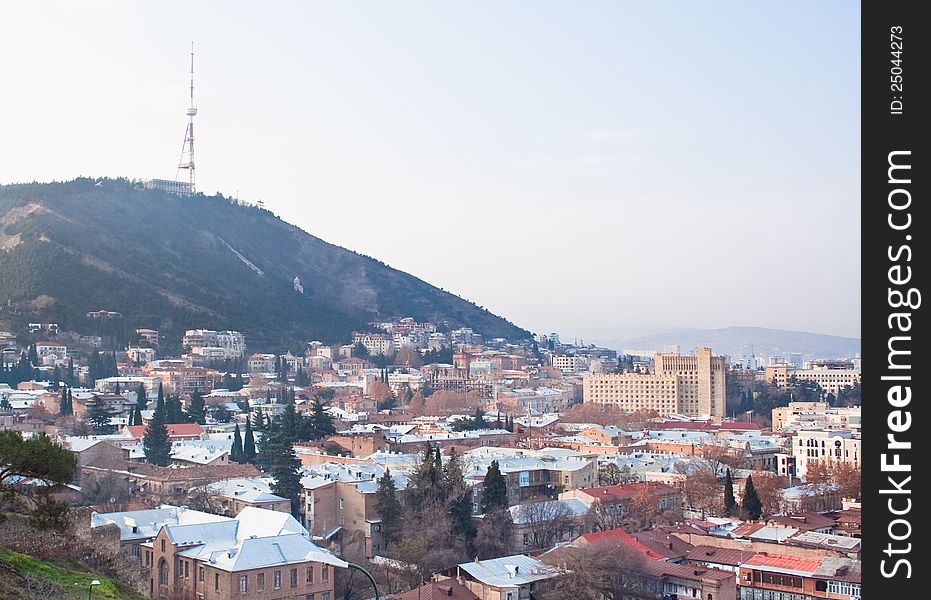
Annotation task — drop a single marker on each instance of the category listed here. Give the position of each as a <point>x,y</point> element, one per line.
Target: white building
<point>812,446</point>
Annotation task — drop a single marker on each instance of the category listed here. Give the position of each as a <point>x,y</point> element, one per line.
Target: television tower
<point>187,149</point>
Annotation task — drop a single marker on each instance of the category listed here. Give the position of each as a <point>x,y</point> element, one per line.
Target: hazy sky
<point>591,168</point>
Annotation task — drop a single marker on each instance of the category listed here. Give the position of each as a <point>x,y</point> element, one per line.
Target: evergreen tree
<point>56,377</point>
<point>423,487</point>
<point>66,409</point>
<point>290,426</point>
<point>197,411</point>
<point>141,400</point>
<point>458,498</point>
<point>389,509</point>
<point>285,470</point>
<point>173,411</point>
<point>750,506</point>
<point>137,416</point>
<point>494,489</point>
<point>267,446</point>
<point>98,415</point>
<point>117,390</point>
<point>155,444</point>
<point>248,444</point>
<point>33,356</point>
<point>730,503</point>
<point>321,423</point>
<point>236,451</point>
<point>70,372</point>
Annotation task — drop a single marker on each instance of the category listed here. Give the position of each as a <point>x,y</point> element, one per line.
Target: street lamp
<point>90,588</point>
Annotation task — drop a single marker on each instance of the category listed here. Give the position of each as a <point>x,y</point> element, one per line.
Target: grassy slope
<point>73,583</point>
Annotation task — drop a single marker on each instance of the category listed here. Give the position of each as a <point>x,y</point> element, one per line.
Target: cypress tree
<point>389,509</point>
<point>137,416</point>
<point>33,356</point>
<point>458,498</point>
<point>66,409</point>
<point>750,506</point>
<point>197,411</point>
<point>248,444</point>
<point>494,489</point>
<point>117,390</point>
<point>236,450</point>
<point>155,444</point>
<point>141,400</point>
<point>285,470</point>
<point>173,411</point>
<point>730,503</point>
<point>321,423</point>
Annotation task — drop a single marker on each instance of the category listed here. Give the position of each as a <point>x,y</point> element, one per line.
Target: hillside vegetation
<point>172,263</point>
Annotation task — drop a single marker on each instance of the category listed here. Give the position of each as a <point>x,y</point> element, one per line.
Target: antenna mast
<point>187,149</point>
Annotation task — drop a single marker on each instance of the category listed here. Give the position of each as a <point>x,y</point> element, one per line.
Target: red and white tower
<point>187,149</point>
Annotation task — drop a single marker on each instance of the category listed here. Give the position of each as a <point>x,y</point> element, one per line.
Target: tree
<point>98,415</point>
<point>155,443</point>
<point>142,401</point>
<point>610,474</point>
<point>285,470</point>
<point>818,471</point>
<point>425,485</point>
<point>458,498</point>
<point>730,502</point>
<point>36,458</point>
<point>605,570</point>
<point>197,411</point>
<point>137,417</point>
<point>66,408</point>
<point>205,498</point>
<point>750,507</point>
<point>389,509</point>
<point>769,487</point>
<point>495,534</point>
<point>321,423</point>
<point>494,489</point>
<point>220,413</point>
<point>248,444</point>
<point>546,522</point>
<point>236,450</point>
<point>33,356</point>
<point>173,411</point>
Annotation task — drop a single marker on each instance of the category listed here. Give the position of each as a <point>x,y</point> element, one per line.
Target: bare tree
<point>205,498</point>
<point>602,571</point>
<point>495,533</point>
<point>769,488</point>
<point>546,522</point>
<point>606,514</point>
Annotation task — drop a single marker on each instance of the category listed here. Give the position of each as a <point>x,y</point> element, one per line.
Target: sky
<point>597,169</point>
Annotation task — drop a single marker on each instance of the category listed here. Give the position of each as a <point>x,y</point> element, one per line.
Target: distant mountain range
<point>737,341</point>
<point>172,263</point>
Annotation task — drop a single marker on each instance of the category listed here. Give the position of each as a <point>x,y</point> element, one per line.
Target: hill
<point>172,263</point>
<point>737,341</point>
<point>24,577</point>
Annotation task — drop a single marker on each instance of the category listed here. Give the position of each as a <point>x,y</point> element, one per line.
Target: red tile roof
<point>721,556</point>
<point>174,430</point>
<point>783,562</point>
<point>620,537</point>
<point>434,590</point>
<point>628,491</point>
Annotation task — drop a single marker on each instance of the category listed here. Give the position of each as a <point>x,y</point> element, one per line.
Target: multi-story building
<point>261,363</point>
<point>768,576</point>
<point>44,349</point>
<point>832,376</point>
<point>816,415</point>
<point>688,385</point>
<point>534,401</point>
<point>141,355</point>
<point>823,445</point>
<point>140,526</point>
<point>232,342</point>
<point>184,380</point>
<point>148,337</point>
<point>570,364</point>
<point>260,554</point>
<point>507,578</point>
<point>375,343</point>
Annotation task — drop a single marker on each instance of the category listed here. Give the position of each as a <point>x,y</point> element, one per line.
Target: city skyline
<point>505,155</point>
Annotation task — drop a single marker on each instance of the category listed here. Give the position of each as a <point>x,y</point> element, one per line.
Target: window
<point>200,574</point>
<point>163,572</point>
<point>341,504</point>
<point>325,596</point>
<point>163,545</point>
<point>148,558</point>
<point>276,580</point>
<point>187,570</point>
<point>243,583</point>
<point>325,574</point>
<point>510,595</point>
<point>216,582</point>
<point>260,582</point>
<point>310,574</point>
<point>134,551</point>
<point>293,577</point>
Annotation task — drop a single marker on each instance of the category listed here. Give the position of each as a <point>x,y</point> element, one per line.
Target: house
<point>138,526</point>
<point>543,524</point>
<point>516,577</point>
<point>260,554</point>
<point>435,590</point>
<point>622,497</point>
<point>176,431</point>
<point>236,494</point>
<point>773,576</point>
<point>726,559</point>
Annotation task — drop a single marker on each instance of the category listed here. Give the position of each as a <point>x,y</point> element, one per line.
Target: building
<point>516,577</point>
<point>689,385</point>
<point>179,188</point>
<point>832,376</point>
<point>375,343</point>
<point>824,445</point>
<point>261,554</point>
<point>768,576</point>
<point>44,349</point>
<point>140,355</point>
<point>139,526</point>
<point>621,498</point>
<point>261,363</point>
<point>233,343</point>
<point>570,364</point>
<point>815,415</point>
<point>148,337</point>
<point>236,494</point>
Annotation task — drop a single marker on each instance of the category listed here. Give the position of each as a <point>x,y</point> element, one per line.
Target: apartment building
<point>689,385</point>
<point>769,576</point>
<point>824,445</point>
